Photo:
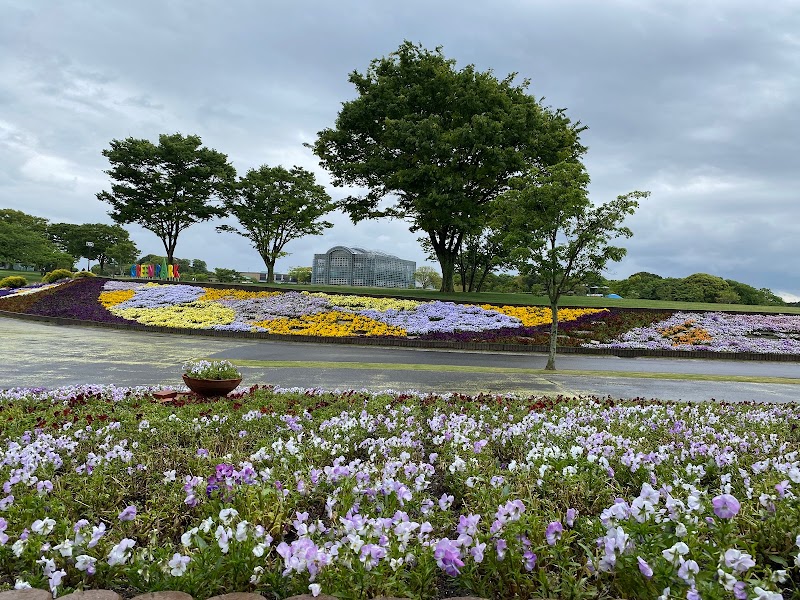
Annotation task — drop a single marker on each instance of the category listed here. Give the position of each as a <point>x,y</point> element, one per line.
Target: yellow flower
<point>531,316</point>
<point>109,299</point>
<point>213,294</point>
<point>331,324</point>
<point>192,315</point>
<point>356,303</point>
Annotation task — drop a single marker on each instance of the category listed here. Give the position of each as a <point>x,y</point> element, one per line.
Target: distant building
<point>262,277</point>
<point>359,267</point>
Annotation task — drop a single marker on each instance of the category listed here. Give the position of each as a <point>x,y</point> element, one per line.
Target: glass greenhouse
<point>359,267</point>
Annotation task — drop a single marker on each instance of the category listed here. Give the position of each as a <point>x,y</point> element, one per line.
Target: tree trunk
<point>551,355</point>
<point>483,279</point>
<point>447,263</point>
<point>270,270</point>
<point>170,250</point>
<point>447,255</point>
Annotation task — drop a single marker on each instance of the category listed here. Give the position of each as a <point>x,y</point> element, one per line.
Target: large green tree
<point>442,143</point>
<point>94,241</point>
<point>168,187</point>
<point>562,237</point>
<point>275,206</point>
<point>24,240</point>
<point>24,220</point>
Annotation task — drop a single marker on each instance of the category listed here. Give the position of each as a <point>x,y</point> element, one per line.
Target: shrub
<point>13,282</point>
<point>56,275</point>
<point>84,274</point>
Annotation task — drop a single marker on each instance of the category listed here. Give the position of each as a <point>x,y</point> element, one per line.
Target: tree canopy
<point>275,206</point>
<point>699,287</point>
<point>300,274</point>
<point>427,277</point>
<point>168,187</point>
<point>108,242</point>
<point>561,236</point>
<point>24,241</point>
<point>441,143</point>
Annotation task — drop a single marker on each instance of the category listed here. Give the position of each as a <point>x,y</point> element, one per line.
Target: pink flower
<point>726,506</point>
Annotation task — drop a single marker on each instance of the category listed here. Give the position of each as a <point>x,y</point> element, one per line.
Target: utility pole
<point>88,245</point>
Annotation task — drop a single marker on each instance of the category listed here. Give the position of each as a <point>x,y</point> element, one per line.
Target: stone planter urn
<point>211,387</point>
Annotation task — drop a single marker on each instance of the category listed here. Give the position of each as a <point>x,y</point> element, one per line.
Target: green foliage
<point>227,275</point>
<point>427,278</point>
<point>23,240</point>
<point>275,206</point>
<point>57,275</point>
<point>24,220</point>
<point>95,241</point>
<point>509,283</point>
<point>31,276</point>
<point>301,274</point>
<point>168,187</point>
<point>442,142</point>
<point>152,259</point>
<point>699,287</point>
<point>197,266</point>
<point>489,249</point>
<point>80,274</point>
<point>483,251</point>
<point>13,282</point>
<point>561,236</point>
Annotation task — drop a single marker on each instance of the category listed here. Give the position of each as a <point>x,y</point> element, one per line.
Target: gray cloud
<point>693,100</point>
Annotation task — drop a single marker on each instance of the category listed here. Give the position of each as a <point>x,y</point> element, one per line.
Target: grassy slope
<point>31,276</point>
<point>527,299</point>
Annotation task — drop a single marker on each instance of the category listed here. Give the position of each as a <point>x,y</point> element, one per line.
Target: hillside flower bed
<point>31,288</point>
<point>336,315</point>
<point>717,332</point>
<point>358,495</point>
<point>293,313</point>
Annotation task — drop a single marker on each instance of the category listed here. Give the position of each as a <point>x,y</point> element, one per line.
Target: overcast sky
<point>695,101</point>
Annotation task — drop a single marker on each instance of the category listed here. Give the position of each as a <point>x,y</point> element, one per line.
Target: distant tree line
<point>34,243</point>
<point>699,287</point>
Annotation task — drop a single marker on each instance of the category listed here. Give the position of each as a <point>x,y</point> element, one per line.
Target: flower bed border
<point>401,342</point>
<point>414,343</point>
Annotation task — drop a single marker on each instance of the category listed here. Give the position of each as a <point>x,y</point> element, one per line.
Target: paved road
<point>42,355</point>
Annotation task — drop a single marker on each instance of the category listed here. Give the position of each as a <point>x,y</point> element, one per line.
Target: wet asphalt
<point>34,354</point>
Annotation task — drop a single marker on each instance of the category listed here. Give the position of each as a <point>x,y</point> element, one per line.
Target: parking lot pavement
<point>42,355</point>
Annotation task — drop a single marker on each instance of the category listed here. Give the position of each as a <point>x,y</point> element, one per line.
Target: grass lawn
<point>31,276</point>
